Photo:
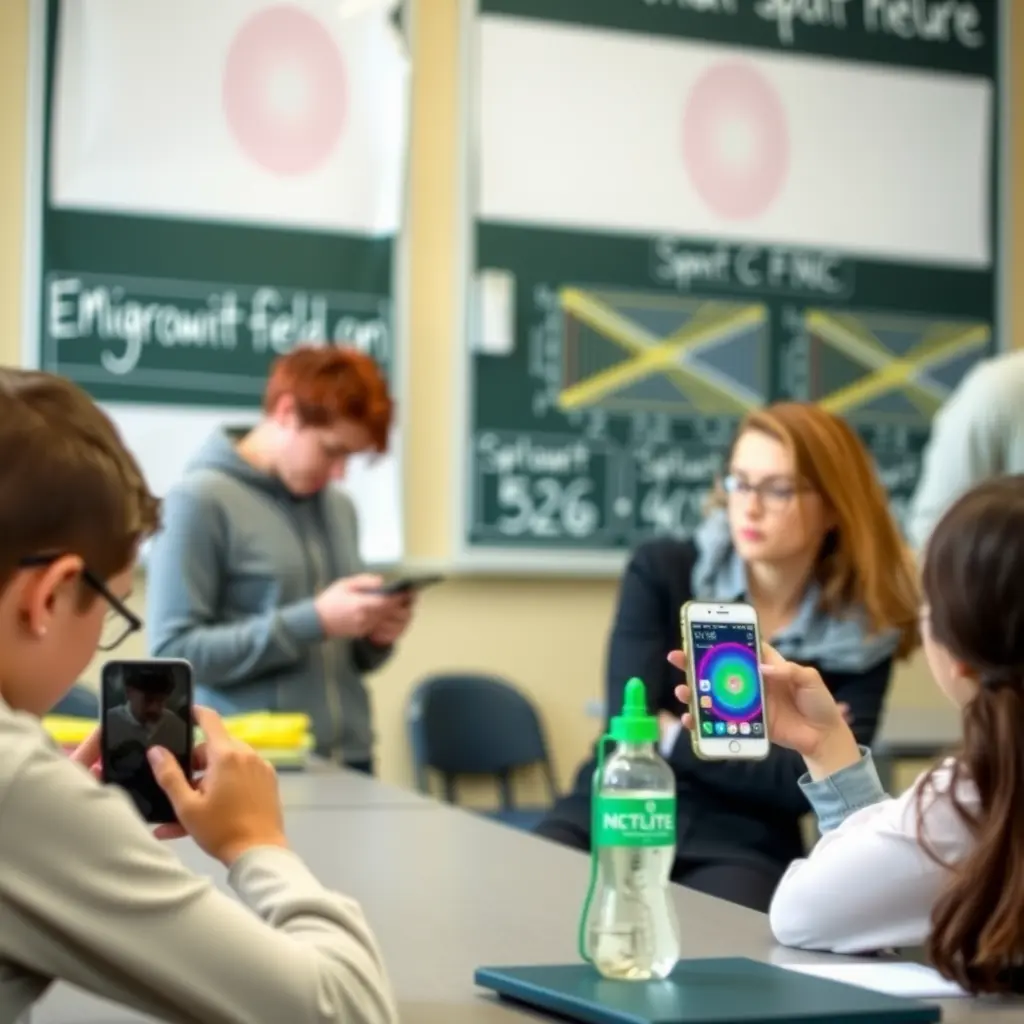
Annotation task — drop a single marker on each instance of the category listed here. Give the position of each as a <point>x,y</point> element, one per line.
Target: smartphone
<point>409,584</point>
<point>144,704</point>
<point>723,647</point>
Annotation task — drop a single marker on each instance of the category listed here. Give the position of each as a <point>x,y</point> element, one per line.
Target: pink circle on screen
<point>284,90</point>
<point>735,140</point>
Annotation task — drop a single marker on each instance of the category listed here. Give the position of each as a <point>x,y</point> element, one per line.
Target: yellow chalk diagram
<point>634,351</point>
<point>631,351</point>
<point>888,368</point>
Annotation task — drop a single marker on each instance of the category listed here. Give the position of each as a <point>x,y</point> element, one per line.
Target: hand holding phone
<point>351,606</point>
<point>410,584</point>
<point>236,805</point>
<point>805,716</point>
<point>726,688</point>
<point>800,708</point>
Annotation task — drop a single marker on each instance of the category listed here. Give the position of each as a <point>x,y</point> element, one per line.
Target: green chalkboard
<point>687,209</point>
<point>190,312</point>
<point>203,210</point>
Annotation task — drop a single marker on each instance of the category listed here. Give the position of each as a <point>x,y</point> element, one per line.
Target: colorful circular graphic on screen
<point>732,671</point>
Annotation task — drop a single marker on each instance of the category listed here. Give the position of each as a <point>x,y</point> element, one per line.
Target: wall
<point>548,635</point>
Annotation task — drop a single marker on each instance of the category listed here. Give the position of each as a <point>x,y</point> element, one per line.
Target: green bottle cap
<point>634,725</point>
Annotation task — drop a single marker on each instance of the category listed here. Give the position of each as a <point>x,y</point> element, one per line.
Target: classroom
<point>624,275</point>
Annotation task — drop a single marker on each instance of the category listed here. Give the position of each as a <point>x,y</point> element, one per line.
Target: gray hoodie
<point>231,581</point>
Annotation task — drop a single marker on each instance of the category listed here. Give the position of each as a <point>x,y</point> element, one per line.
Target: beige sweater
<point>88,896</point>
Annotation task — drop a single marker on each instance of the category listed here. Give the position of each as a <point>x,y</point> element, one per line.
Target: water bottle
<point>628,927</point>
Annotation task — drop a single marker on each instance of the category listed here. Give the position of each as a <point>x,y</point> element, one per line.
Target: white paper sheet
<point>912,981</point>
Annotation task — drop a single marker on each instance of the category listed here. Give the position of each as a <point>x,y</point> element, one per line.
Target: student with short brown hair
<point>257,579</point>
<point>800,528</point>
<point>87,894</point>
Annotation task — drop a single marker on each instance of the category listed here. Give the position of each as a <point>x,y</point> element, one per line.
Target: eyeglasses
<point>773,494</point>
<point>120,621</point>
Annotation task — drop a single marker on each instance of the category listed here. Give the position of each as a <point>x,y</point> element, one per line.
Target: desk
<point>914,733</point>
<point>508,898</point>
<point>328,787</point>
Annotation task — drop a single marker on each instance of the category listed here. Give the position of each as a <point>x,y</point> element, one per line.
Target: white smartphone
<point>723,647</point>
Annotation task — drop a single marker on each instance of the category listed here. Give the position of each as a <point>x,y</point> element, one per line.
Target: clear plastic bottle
<point>628,928</point>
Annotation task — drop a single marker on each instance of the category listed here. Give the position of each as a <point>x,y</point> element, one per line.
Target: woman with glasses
<point>799,528</point>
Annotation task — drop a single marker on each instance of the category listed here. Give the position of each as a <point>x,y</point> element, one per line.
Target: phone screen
<point>727,687</point>
<point>145,704</point>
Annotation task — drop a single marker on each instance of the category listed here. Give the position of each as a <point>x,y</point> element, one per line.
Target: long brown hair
<point>973,582</point>
<point>863,561</point>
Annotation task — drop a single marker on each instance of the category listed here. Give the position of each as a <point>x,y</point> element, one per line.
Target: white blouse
<point>868,884</point>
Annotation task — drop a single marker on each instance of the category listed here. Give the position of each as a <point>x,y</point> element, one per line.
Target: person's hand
<point>235,805</point>
<point>87,754</point>
<point>801,713</point>
<point>351,607</point>
<point>394,622</point>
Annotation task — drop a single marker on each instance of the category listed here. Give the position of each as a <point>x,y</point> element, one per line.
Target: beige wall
<point>549,635</point>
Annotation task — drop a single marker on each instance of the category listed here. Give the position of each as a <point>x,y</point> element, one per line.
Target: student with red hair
<point>256,577</point>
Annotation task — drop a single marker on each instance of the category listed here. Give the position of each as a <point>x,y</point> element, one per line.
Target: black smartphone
<point>143,704</point>
<point>409,584</point>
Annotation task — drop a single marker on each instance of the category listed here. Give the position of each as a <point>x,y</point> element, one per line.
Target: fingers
<point>790,672</point>
<point>212,725</point>
<point>365,581</point>
<point>683,693</point>
<point>397,608</point>
<point>677,659</point>
<point>171,831</point>
<point>781,671</point>
<point>88,751</point>
<point>170,777</point>
<point>200,760</point>
<point>688,722</point>
<point>770,656</point>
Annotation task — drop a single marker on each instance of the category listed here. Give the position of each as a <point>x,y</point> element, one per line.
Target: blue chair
<point>78,702</point>
<point>467,724</point>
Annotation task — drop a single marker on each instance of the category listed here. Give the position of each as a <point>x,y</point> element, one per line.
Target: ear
<point>960,671</point>
<point>44,591</point>
<point>284,413</point>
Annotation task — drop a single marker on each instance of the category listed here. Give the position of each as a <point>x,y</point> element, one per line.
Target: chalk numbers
<point>671,510</point>
<point>546,507</point>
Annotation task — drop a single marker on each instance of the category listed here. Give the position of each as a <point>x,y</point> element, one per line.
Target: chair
<point>466,724</point>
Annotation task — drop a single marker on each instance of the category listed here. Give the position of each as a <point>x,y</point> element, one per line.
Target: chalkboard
<point>683,209</point>
<point>193,223</point>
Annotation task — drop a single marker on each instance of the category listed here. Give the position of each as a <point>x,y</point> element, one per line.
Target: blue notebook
<point>727,991</point>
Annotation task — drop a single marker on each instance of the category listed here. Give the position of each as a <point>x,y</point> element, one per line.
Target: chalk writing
<point>784,271</point>
<point>930,21</point>
<point>127,316</point>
